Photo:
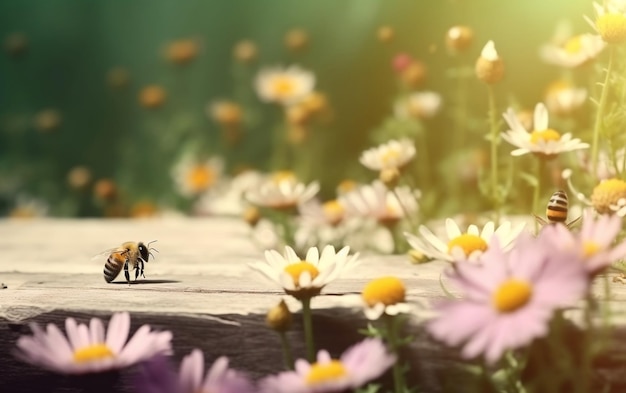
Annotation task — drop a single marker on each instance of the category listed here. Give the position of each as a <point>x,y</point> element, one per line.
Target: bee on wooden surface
<point>133,254</point>
<point>557,210</point>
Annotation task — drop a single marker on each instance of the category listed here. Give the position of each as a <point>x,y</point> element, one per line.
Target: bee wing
<point>106,253</point>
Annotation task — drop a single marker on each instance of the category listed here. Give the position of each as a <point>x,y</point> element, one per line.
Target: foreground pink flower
<point>158,376</point>
<point>219,378</point>
<point>358,365</point>
<point>86,349</point>
<point>593,245</point>
<point>509,300</point>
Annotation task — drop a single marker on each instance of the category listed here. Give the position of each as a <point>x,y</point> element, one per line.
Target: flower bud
<point>279,318</point>
<point>459,38</point>
<point>489,66</point>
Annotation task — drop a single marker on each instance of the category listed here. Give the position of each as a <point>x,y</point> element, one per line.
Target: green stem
<point>287,353</point>
<point>307,322</point>
<point>406,211</point>
<point>392,336</point>
<point>424,159</point>
<point>537,192</point>
<point>288,234</point>
<point>495,140</point>
<point>587,355</point>
<point>600,113</point>
<point>280,160</point>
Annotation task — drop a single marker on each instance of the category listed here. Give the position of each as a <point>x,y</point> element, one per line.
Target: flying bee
<point>135,254</point>
<point>557,210</point>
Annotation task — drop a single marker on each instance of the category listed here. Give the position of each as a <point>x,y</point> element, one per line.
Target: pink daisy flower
<point>219,378</point>
<point>158,376</point>
<point>593,244</point>
<point>358,365</point>
<point>508,300</point>
<point>86,349</point>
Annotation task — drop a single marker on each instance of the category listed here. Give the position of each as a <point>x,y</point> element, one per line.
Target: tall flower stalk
<point>494,139</point>
<point>597,127</point>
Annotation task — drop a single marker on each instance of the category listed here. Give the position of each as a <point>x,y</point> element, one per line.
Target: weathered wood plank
<point>201,288</point>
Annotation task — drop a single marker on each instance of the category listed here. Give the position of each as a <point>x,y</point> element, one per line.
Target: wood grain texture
<point>201,288</point>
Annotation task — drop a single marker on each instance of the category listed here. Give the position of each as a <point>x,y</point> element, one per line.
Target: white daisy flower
<point>420,105</point>
<point>574,52</point>
<point>385,296</point>
<point>395,154</point>
<point>321,223</point>
<point>86,349</point>
<point>460,246</point>
<point>281,192</point>
<point>305,278</point>
<point>562,98</point>
<point>377,201</point>
<point>543,141</point>
<point>193,177</point>
<point>610,22</point>
<point>284,85</point>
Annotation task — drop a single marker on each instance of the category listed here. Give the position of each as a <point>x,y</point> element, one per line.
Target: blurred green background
<point>58,56</point>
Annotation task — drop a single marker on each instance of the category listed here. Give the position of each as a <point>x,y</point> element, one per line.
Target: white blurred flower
<point>395,154</point>
<point>419,105</point>
<point>378,202</point>
<point>193,177</point>
<point>28,207</point>
<point>281,193</point>
<point>574,52</point>
<point>228,198</point>
<point>562,98</point>
<point>284,85</point>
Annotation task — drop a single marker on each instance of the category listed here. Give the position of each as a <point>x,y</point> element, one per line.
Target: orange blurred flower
<point>245,51</point>
<point>152,96</point>
<point>296,39</point>
<point>182,52</point>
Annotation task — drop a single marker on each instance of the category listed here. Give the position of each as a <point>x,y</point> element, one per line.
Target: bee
<point>556,210</point>
<point>135,254</point>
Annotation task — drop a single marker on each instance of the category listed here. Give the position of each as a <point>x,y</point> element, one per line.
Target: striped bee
<point>556,210</point>
<point>134,254</point>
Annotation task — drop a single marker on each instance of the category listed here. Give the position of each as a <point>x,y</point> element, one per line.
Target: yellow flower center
<point>295,270</point>
<point>345,186</point>
<point>607,193</point>
<point>92,353</point>
<point>574,45</point>
<point>334,211</point>
<point>320,373</point>
<point>385,290</point>
<point>201,177</point>
<point>280,176</point>
<point>283,86</point>
<point>590,249</point>
<point>557,87</point>
<point>511,295</point>
<point>612,27</point>
<point>544,135</point>
<point>389,156</point>
<point>468,243</point>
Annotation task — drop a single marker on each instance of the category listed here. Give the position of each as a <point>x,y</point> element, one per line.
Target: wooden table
<point>201,288</point>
